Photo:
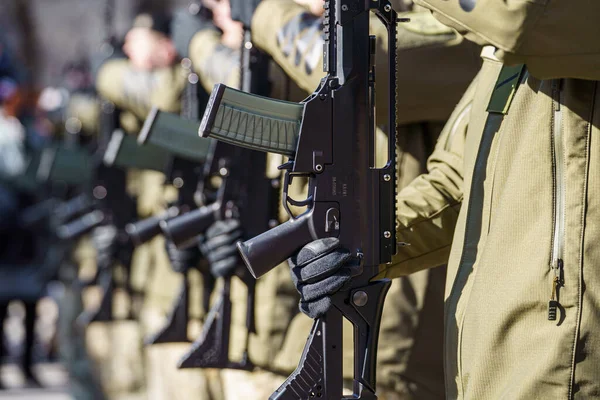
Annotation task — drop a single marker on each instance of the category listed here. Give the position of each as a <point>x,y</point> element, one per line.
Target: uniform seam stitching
<point>581,239</point>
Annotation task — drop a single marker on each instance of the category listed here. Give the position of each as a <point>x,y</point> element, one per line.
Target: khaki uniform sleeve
<point>84,110</point>
<point>214,62</point>
<point>137,91</point>
<point>428,207</point>
<point>292,37</point>
<point>130,123</point>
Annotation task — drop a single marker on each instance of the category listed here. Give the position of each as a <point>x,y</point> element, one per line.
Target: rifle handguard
<point>145,230</point>
<point>176,134</point>
<point>251,121</point>
<point>183,230</point>
<point>269,249</point>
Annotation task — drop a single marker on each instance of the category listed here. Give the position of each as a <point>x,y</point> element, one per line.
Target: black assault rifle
<point>242,175</point>
<point>330,139</point>
<point>114,206</point>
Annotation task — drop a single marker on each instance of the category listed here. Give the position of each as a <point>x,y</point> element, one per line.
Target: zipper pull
<point>553,303</point>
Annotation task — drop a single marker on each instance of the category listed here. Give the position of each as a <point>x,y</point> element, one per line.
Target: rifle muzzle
<point>267,250</point>
<point>183,230</point>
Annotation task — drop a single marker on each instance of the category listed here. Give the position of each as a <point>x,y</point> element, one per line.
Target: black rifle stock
<point>330,139</point>
<point>175,330</point>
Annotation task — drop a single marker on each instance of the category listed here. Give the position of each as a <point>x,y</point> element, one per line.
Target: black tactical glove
<point>220,247</point>
<point>182,259</point>
<point>104,240</point>
<point>319,270</point>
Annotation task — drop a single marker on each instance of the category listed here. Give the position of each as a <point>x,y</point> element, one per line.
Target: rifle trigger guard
<point>287,200</point>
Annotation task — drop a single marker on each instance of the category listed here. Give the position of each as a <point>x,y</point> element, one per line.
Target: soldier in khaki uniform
<point>410,364</point>
<point>151,76</point>
<point>520,157</point>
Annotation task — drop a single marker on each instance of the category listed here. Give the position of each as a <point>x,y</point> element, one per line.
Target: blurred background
<point>48,34</point>
<point>41,42</point>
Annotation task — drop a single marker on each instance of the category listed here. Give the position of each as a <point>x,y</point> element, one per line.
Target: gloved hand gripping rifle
<point>329,138</point>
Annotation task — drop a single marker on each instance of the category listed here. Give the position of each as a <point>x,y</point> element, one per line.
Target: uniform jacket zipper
<point>558,237</point>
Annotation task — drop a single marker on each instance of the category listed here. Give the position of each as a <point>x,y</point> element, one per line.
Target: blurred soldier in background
<point>16,244</point>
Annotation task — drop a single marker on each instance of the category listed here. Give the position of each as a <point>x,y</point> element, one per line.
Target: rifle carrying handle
<point>269,249</point>
<point>251,121</point>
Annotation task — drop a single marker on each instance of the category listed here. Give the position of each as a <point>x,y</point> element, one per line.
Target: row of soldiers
<point>165,63</point>
<point>484,157</point>
<point>410,350</point>
<point>161,57</point>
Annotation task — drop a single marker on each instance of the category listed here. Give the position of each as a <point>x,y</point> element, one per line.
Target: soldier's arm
<point>137,91</point>
<point>196,37</point>
<point>292,36</point>
<point>214,62</point>
<point>428,207</point>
